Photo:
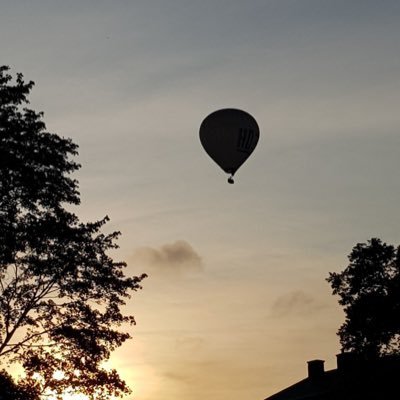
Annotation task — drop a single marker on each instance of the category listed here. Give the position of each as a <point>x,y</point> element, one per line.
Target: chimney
<point>315,369</point>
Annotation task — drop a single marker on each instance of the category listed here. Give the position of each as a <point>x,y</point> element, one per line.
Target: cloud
<point>206,378</point>
<point>295,303</point>
<point>190,344</point>
<point>180,377</point>
<point>177,257</point>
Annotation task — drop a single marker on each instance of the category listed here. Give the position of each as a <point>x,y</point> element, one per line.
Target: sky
<point>236,300</point>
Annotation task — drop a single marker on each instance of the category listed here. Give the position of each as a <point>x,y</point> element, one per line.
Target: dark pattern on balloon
<point>245,140</point>
<point>229,136</point>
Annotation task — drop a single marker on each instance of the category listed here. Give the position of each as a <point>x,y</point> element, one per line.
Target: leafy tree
<point>9,390</point>
<point>60,292</point>
<point>369,290</point>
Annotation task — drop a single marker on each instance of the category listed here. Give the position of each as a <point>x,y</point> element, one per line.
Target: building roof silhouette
<point>355,378</point>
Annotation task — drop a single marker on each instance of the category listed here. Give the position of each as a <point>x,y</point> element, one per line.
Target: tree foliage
<point>60,292</point>
<point>369,291</point>
<point>9,390</point>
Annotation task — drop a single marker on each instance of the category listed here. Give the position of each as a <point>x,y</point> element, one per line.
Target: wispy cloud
<point>192,343</point>
<point>295,303</point>
<point>177,257</point>
<point>180,377</point>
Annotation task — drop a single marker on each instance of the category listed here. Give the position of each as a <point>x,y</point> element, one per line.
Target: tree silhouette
<point>60,293</point>
<point>369,290</point>
<point>9,390</point>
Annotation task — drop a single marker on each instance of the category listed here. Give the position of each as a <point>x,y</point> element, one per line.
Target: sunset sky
<point>236,301</point>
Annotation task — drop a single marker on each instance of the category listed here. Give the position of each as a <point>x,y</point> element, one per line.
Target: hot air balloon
<point>229,136</point>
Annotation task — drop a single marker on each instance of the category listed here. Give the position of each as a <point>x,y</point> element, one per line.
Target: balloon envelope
<point>229,136</point>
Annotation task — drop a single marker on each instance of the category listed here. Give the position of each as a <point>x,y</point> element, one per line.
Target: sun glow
<point>68,396</point>
<point>69,393</point>
<point>75,396</point>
